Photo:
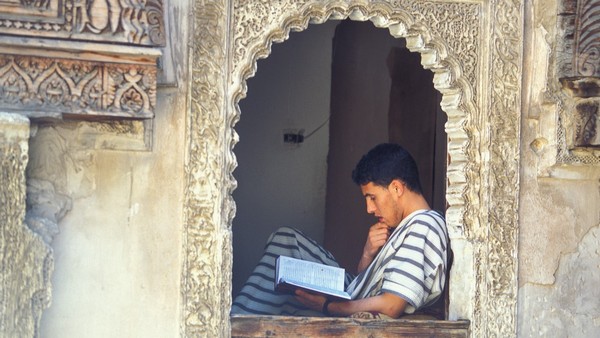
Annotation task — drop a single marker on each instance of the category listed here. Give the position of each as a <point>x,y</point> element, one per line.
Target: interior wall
<point>281,184</point>
<point>361,89</point>
<point>417,121</point>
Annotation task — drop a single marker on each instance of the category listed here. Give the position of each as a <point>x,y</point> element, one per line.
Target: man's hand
<point>378,235</point>
<point>310,300</point>
<point>386,303</point>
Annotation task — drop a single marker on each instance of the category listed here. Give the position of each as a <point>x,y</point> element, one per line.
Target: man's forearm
<point>388,304</point>
<point>364,263</point>
<point>378,236</point>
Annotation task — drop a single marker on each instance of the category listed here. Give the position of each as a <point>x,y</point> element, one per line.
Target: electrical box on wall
<point>293,136</point>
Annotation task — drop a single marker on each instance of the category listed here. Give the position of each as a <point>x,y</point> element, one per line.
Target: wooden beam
<point>282,326</point>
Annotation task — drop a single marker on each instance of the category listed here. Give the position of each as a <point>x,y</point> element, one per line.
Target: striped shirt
<point>412,265</point>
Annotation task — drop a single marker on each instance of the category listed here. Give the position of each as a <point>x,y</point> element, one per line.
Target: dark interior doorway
<point>377,91</point>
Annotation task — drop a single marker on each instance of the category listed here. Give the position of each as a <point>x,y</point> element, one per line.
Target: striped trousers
<point>258,297</point>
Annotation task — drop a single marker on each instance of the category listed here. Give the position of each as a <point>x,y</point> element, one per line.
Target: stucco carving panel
<point>580,38</point>
<point>132,22</point>
<point>80,57</point>
<point>578,64</point>
<point>587,124</point>
<point>482,103</point>
<point>578,131</point>
<point>586,58</point>
<point>428,22</point>
<point>499,309</point>
<point>208,208</point>
<point>48,86</point>
<point>426,25</point>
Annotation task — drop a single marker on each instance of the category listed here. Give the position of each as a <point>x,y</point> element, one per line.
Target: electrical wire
<point>317,129</point>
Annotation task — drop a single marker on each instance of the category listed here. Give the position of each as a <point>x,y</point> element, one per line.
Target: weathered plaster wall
<point>117,253</point>
<point>559,259</point>
<point>118,250</point>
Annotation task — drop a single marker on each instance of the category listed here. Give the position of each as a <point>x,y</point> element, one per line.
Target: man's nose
<point>370,207</point>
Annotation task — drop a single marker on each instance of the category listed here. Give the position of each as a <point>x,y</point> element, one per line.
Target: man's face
<point>382,202</point>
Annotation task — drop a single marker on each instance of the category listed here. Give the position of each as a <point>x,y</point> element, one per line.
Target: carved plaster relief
<point>578,59</point>
<point>483,107</point>
<point>579,51</point>
<point>133,22</point>
<point>587,130</point>
<point>80,57</point>
<point>578,131</point>
<point>426,27</point>
<point>48,86</point>
<point>586,59</point>
<point>208,209</point>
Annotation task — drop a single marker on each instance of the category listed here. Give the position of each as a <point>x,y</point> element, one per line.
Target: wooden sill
<point>283,326</point>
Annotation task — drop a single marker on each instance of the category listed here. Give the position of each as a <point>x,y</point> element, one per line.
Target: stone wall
<point>117,252</point>
<point>560,185</point>
<point>25,256</point>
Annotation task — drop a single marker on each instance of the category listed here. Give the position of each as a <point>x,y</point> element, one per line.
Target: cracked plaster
<point>570,307</point>
<point>553,223</point>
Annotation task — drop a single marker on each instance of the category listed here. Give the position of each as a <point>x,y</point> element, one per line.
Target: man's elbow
<point>396,312</point>
<point>395,307</point>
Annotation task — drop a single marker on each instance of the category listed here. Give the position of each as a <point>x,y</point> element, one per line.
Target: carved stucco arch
<point>449,75</point>
<point>482,104</point>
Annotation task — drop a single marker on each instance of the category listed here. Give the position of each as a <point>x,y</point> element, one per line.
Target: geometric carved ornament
<point>586,57</point>
<point>48,87</point>
<point>77,58</point>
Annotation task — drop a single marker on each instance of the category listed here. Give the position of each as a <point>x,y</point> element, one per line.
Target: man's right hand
<point>378,235</point>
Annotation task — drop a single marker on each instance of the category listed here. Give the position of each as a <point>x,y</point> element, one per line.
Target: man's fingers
<point>308,299</point>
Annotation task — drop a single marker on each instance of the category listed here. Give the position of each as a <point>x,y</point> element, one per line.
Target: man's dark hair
<point>385,163</point>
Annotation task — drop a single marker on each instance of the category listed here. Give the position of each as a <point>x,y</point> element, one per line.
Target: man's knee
<point>286,230</point>
<point>283,234</point>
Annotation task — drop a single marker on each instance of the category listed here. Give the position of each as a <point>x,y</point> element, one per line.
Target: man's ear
<point>397,187</point>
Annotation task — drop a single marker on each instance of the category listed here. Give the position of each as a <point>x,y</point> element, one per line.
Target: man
<point>403,265</point>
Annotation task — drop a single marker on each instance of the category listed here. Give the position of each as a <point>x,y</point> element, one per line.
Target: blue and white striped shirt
<point>412,263</point>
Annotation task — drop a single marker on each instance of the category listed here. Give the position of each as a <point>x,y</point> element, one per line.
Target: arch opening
<point>278,101</point>
<point>482,171</point>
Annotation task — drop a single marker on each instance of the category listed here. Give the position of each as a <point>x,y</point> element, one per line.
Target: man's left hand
<point>310,300</point>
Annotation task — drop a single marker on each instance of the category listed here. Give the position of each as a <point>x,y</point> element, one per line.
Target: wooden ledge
<point>283,326</point>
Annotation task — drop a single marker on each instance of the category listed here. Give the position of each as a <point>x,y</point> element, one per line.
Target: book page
<point>306,272</point>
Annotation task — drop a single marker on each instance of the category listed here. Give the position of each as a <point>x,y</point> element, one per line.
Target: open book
<point>292,273</point>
